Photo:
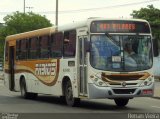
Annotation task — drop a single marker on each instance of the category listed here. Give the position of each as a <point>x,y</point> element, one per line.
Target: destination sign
<point>121,26</point>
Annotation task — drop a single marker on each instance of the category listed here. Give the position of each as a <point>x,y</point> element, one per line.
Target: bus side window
<point>23,49</point>
<point>18,49</point>
<point>69,43</point>
<point>33,46</point>
<point>56,45</point>
<point>44,46</point>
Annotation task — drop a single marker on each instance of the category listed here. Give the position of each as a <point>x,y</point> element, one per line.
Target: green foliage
<point>152,15</point>
<point>20,22</point>
<point>1,41</point>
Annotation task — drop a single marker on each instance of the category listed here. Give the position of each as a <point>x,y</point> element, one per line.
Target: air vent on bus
<point>124,77</point>
<point>124,91</point>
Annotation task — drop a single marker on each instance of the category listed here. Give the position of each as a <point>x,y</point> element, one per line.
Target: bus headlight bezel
<point>98,81</point>
<point>147,82</point>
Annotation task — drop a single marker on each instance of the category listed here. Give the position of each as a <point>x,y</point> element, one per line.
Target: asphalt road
<point>11,102</point>
<point>157,89</point>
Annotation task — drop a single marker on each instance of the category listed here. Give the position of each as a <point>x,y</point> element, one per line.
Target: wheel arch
<point>21,78</point>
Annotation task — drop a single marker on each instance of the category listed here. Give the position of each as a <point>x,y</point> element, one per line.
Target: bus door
<point>11,68</point>
<point>82,65</point>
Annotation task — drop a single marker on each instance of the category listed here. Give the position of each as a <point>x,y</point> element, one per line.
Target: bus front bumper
<point>96,92</point>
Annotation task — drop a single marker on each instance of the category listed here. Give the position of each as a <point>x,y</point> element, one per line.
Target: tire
<point>24,93</point>
<point>121,102</point>
<point>23,89</point>
<point>70,100</point>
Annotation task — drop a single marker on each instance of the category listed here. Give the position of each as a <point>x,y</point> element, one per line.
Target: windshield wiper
<point>113,40</point>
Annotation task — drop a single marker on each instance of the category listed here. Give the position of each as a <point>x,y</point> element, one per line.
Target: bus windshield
<point>121,52</point>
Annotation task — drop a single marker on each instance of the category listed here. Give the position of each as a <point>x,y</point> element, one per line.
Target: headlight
<point>98,81</point>
<point>147,82</point>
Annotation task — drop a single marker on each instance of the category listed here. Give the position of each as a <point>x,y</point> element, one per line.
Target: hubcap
<point>69,93</point>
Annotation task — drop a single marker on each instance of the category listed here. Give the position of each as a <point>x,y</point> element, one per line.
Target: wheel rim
<point>23,89</point>
<point>69,93</point>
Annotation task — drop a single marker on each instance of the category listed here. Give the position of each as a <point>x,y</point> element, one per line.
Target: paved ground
<point>47,107</point>
<point>1,75</point>
<point>157,89</point>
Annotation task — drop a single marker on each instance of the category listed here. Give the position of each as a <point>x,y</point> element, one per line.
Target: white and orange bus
<point>83,60</point>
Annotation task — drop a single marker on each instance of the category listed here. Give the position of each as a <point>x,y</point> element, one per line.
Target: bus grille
<point>124,91</point>
<point>127,84</point>
<point>124,77</point>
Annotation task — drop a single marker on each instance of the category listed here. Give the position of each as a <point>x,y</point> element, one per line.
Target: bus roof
<point>31,33</point>
<point>44,31</point>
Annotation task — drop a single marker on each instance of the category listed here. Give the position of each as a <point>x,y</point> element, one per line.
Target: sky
<point>76,10</point>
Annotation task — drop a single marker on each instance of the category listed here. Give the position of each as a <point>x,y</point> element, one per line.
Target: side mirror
<point>155,47</point>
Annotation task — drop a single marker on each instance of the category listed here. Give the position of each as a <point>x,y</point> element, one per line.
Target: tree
<point>1,41</point>
<point>152,15</point>
<point>20,22</point>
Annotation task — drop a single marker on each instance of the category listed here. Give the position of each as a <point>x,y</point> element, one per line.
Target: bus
<point>85,60</point>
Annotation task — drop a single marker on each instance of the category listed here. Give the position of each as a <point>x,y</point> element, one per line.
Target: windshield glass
<point>121,52</point>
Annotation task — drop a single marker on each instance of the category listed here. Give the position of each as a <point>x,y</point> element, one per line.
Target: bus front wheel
<point>121,102</point>
<point>70,100</point>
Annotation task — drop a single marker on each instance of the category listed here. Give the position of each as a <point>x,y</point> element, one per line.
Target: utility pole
<point>24,6</point>
<point>56,23</point>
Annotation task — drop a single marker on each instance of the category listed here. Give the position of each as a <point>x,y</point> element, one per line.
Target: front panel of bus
<point>121,59</point>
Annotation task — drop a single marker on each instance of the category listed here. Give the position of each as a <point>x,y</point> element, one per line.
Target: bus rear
<point>120,61</point>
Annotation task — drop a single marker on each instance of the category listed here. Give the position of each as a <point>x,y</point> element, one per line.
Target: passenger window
<point>56,45</point>
<point>69,43</point>
<point>23,49</point>
<point>44,47</point>
<point>18,49</point>
<point>33,48</point>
